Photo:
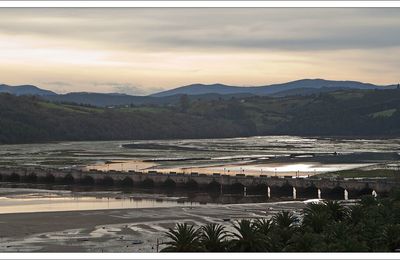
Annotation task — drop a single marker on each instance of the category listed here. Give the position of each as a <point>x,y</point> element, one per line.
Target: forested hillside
<point>27,119</point>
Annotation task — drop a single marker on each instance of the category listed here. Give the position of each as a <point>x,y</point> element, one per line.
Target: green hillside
<point>27,119</point>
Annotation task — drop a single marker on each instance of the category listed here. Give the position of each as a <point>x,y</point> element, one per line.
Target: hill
<point>25,90</point>
<point>301,86</point>
<point>25,119</point>
<point>195,92</point>
<point>201,89</point>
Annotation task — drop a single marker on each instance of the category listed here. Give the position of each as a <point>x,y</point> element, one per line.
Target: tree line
<point>371,225</point>
<point>27,119</point>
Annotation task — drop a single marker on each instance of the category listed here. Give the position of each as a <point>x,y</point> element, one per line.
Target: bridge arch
<point>68,179</point>
<point>48,178</point>
<point>307,192</point>
<point>259,189</point>
<point>214,186</point>
<point>31,177</point>
<point>105,181</point>
<point>365,191</point>
<point>236,187</point>
<point>127,182</point>
<point>13,177</point>
<point>147,183</point>
<point>87,180</point>
<point>337,193</point>
<point>169,184</point>
<point>191,184</point>
<point>286,190</point>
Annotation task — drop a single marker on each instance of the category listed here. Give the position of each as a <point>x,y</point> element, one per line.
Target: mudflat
<point>121,230</point>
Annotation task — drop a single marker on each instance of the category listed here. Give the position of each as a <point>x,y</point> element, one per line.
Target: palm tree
<point>339,237</point>
<point>316,217</point>
<point>306,242</point>
<point>356,214</point>
<point>264,225</point>
<point>285,219</point>
<point>283,230</point>
<point>183,238</point>
<point>336,210</point>
<point>214,238</point>
<point>247,238</point>
<point>391,237</point>
<point>368,201</point>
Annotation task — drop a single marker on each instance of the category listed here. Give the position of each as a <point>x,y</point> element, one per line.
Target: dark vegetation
<point>27,119</point>
<point>372,225</point>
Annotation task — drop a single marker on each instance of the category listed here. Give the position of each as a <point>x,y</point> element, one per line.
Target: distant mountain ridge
<point>194,91</point>
<point>25,90</point>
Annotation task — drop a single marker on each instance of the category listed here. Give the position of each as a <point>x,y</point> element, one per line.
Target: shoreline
<point>118,230</point>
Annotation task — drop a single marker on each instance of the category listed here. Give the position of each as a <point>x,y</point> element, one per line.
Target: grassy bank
<point>362,174</point>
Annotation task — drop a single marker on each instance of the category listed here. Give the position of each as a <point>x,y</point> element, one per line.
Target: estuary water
<point>269,155</point>
<point>259,155</point>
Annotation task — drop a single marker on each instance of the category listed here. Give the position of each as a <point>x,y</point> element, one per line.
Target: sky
<point>145,50</point>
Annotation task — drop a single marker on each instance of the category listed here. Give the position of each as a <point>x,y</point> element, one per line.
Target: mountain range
<point>195,91</point>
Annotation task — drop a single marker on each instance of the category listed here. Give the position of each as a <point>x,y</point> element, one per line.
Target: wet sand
<point>299,169</point>
<point>121,165</point>
<point>122,230</point>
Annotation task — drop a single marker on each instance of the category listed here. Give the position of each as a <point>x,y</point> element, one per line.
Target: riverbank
<point>121,230</point>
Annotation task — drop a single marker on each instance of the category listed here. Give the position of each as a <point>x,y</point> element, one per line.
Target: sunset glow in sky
<point>140,51</point>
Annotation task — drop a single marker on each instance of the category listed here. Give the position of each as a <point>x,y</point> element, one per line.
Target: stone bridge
<point>272,186</point>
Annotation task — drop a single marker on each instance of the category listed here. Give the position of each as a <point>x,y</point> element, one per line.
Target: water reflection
<point>250,153</point>
<point>45,203</point>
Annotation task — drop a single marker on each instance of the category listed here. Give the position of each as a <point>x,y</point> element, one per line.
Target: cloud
<point>210,29</point>
<point>144,50</point>
<point>125,88</point>
<point>58,83</point>
<point>58,86</point>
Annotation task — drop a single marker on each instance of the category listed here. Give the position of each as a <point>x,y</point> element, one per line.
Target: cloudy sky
<point>140,51</point>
